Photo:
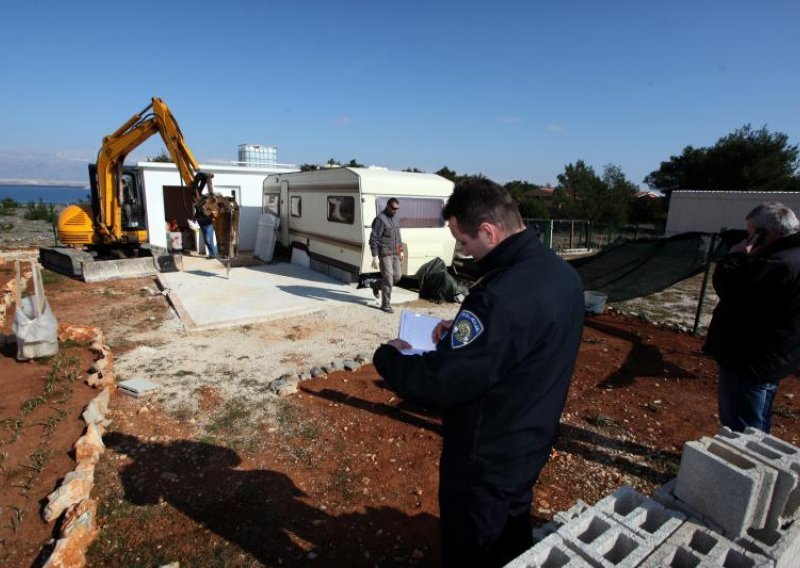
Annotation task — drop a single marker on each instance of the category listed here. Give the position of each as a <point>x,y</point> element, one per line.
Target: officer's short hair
<point>775,217</point>
<point>477,200</point>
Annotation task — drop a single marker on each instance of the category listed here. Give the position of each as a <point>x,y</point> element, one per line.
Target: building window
<point>341,209</point>
<point>296,206</point>
<point>417,212</point>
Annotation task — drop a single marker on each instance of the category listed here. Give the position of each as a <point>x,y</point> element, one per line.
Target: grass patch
<point>602,421</point>
<point>183,413</point>
<point>49,277</point>
<point>15,425</point>
<point>230,419</point>
<point>51,423</point>
<point>40,211</point>
<point>182,373</point>
<point>38,459</point>
<point>30,405</point>
<point>786,412</point>
<point>16,518</point>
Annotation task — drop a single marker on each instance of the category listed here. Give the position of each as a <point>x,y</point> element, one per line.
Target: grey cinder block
<point>784,457</point>
<point>602,541</point>
<point>695,545</point>
<point>725,486</point>
<point>782,545</point>
<point>644,516</point>
<point>551,552</point>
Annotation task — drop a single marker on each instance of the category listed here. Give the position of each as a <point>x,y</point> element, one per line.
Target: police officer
<point>500,374</point>
<point>386,246</point>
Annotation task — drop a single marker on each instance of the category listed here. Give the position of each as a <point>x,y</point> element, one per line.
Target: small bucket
<point>595,302</point>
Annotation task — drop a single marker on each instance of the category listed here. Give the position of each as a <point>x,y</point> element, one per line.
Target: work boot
<point>387,309</point>
<point>375,288</point>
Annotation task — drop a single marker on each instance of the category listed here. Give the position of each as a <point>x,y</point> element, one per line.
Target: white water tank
<point>257,155</point>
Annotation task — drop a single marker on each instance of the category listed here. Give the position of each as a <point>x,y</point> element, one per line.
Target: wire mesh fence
<point>564,235</point>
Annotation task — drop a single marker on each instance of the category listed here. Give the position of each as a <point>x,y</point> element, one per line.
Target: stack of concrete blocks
<point>746,487</point>
<point>622,529</point>
<point>734,503</point>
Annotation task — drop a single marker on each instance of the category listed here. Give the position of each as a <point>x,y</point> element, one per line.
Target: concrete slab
<point>206,296</point>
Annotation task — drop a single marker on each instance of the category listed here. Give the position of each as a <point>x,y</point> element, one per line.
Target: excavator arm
<point>154,118</point>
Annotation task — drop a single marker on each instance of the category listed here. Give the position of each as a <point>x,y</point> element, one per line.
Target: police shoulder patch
<point>466,328</point>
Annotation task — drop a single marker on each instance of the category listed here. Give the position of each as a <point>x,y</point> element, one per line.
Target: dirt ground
<point>345,473</point>
<point>40,420</point>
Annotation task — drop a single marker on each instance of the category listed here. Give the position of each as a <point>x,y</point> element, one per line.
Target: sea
<point>55,194</point>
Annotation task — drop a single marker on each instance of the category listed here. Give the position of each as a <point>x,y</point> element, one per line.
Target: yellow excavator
<point>113,227</point>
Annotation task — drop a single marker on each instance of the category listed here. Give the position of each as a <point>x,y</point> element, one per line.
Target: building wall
<point>710,211</point>
<point>246,182</point>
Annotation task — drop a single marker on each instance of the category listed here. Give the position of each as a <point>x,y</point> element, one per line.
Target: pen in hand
<point>441,330</point>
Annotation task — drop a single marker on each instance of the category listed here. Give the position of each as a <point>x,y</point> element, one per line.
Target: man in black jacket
<point>755,331</point>
<point>500,374</point>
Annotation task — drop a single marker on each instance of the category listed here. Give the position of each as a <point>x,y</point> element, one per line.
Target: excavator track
<point>83,265</point>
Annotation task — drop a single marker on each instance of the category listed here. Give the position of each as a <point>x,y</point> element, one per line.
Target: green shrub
<point>8,206</point>
<point>40,211</point>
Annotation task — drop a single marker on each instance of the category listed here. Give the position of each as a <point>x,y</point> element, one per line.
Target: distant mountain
<point>39,167</point>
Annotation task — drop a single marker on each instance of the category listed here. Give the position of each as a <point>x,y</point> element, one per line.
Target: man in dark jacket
<point>386,246</point>
<point>500,374</point>
<point>755,331</point>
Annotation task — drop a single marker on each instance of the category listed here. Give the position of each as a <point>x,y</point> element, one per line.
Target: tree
<point>308,167</point>
<point>447,173</point>
<point>414,171</point>
<point>162,157</point>
<point>531,206</point>
<point>649,210</point>
<point>744,160</point>
<point>619,195</point>
<point>582,194</point>
<point>577,195</point>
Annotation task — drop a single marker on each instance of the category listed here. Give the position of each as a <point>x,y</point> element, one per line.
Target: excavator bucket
<point>225,214</point>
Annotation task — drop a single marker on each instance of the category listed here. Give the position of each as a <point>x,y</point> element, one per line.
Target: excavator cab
<point>131,199</point>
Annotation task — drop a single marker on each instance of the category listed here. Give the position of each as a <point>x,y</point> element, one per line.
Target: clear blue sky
<point>513,90</point>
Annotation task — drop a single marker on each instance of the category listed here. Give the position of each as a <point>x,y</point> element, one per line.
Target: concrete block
<point>666,496</point>
<point>601,541</point>
<point>780,455</point>
<point>724,485</point>
<point>552,552</point>
<point>644,516</point>
<point>782,545</point>
<point>542,532</point>
<point>695,545</point>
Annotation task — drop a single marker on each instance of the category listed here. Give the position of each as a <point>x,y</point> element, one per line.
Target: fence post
<point>571,233</point>
<point>704,286</point>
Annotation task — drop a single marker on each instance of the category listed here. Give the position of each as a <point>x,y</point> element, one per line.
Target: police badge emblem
<point>466,328</point>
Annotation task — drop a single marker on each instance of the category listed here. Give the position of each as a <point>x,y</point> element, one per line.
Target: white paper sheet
<point>416,329</point>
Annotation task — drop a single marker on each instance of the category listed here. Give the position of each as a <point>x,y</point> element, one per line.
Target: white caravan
<point>328,214</point>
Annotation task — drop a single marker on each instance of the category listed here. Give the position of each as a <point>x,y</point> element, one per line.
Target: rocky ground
<point>216,470</point>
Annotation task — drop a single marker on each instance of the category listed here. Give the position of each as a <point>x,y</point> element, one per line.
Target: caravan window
<point>342,209</point>
<point>296,206</point>
<point>416,212</point>
<point>271,204</point>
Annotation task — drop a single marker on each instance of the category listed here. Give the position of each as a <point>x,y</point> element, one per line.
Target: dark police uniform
<point>501,377</point>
